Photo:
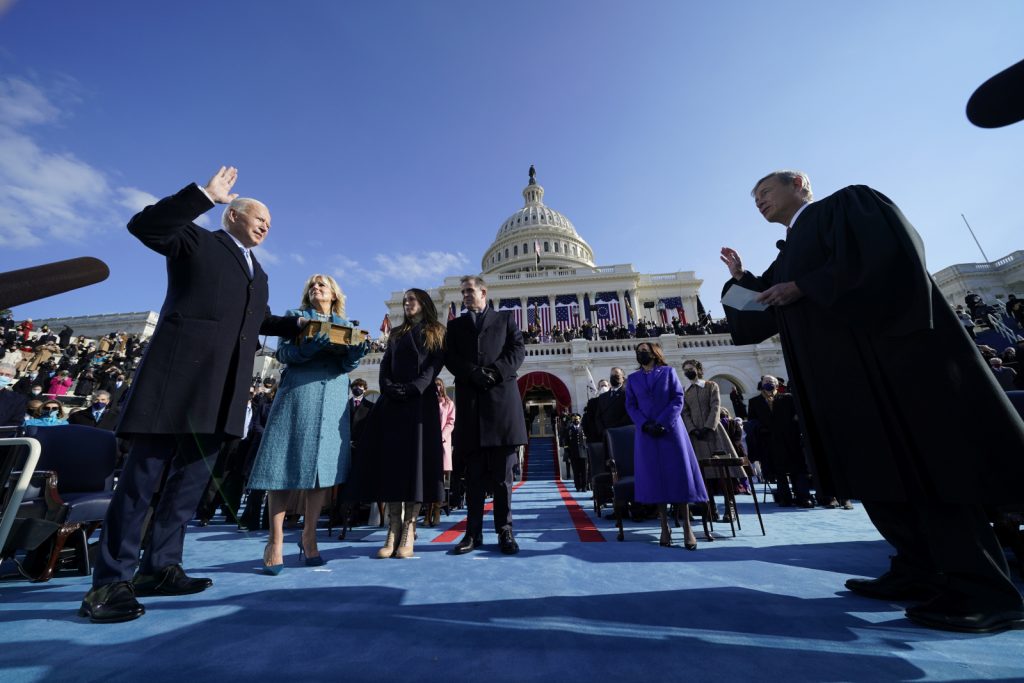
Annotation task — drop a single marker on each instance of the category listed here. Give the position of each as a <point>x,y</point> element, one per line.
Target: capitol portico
<point>541,270</point>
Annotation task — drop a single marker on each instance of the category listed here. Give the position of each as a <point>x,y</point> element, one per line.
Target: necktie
<point>248,260</point>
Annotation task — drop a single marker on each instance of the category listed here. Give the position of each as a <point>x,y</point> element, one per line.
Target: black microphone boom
<point>38,282</point>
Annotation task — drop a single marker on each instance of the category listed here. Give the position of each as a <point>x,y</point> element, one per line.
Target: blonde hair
<point>337,307</point>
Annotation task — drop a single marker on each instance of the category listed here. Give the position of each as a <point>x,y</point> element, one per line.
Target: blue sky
<point>391,139</point>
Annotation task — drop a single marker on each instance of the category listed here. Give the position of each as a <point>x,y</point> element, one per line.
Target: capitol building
<point>545,273</point>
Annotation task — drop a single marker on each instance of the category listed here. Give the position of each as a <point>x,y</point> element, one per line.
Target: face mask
<point>4,381</point>
<point>98,405</point>
<point>690,374</point>
<point>357,391</point>
<point>768,387</point>
<point>644,357</point>
<point>615,381</point>
<point>33,375</point>
<point>52,414</point>
<point>37,392</point>
<point>603,389</point>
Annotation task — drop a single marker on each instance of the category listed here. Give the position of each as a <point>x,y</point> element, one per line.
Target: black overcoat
<point>194,376</point>
<point>493,417</point>
<point>871,336</point>
<point>400,455</point>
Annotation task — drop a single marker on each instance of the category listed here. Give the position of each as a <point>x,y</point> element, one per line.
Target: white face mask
<point>603,389</point>
<point>5,381</point>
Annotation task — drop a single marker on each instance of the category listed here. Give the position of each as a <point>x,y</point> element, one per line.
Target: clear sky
<point>391,139</point>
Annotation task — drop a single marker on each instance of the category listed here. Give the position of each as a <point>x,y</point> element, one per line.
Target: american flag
<point>516,307</point>
<point>673,302</point>
<point>607,307</point>
<point>567,311</point>
<point>451,312</point>
<point>539,313</point>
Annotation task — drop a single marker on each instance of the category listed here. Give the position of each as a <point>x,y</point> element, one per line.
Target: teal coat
<point>306,442</point>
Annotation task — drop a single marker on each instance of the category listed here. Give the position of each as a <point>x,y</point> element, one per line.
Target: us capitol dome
<point>536,228</point>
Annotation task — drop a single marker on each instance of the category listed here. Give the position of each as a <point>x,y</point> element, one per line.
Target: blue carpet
<point>751,607</point>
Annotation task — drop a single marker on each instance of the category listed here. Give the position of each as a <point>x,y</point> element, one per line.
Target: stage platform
<point>573,605</point>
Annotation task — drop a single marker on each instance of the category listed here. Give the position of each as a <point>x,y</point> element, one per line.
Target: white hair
<point>787,178</point>
<point>8,366</point>
<point>240,205</point>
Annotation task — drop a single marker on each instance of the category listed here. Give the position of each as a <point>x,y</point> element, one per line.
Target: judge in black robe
<point>922,468</point>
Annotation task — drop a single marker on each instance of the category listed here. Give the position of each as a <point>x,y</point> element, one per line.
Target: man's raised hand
<point>733,262</point>
<point>219,187</point>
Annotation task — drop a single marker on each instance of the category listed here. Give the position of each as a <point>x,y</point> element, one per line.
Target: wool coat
<point>493,416</point>
<point>305,443</point>
<point>665,467</point>
<point>401,457</point>
<point>194,377</point>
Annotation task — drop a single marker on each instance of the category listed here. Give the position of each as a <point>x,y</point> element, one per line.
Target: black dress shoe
<point>891,586</point>
<point>112,603</point>
<point>467,544</point>
<point>507,542</point>
<point>956,615</point>
<point>170,580</point>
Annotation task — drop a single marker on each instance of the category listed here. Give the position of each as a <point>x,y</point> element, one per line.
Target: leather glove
<point>480,377</point>
<point>309,348</point>
<point>395,391</point>
<point>695,433</point>
<point>650,428</point>
<point>706,432</point>
<point>492,377</point>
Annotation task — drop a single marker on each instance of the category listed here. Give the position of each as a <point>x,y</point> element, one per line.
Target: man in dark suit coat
<point>607,410</point>
<point>190,391</point>
<point>777,444</point>
<point>484,351</point>
<point>101,414</point>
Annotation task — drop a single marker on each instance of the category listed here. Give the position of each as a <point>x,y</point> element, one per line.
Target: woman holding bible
<point>305,444</point>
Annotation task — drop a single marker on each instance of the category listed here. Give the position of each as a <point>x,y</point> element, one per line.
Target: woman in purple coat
<point>665,466</point>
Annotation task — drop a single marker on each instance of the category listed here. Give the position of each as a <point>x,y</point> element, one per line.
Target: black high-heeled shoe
<point>666,538</point>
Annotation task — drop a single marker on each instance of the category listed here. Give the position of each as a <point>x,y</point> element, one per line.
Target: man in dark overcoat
<point>484,351</point>
<point>920,469</point>
<point>190,392</point>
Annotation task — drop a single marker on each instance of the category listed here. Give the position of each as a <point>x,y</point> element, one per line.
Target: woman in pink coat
<point>60,384</point>
<point>447,410</point>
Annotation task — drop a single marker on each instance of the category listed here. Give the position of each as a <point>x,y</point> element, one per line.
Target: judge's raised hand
<point>733,262</point>
<point>219,187</point>
<point>780,294</point>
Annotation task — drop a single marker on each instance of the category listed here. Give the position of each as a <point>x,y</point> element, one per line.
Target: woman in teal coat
<point>305,444</point>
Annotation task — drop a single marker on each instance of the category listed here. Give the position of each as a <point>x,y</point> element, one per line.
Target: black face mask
<point>357,391</point>
<point>644,357</point>
<point>615,381</point>
<point>690,374</point>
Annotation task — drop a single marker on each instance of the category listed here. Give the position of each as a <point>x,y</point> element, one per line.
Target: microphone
<point>38,282</point>
<point>781,245</point>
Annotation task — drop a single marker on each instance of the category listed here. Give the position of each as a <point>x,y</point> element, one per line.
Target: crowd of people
<point>643,329</point>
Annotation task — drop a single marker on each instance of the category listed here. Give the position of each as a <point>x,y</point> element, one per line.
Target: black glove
<point>652,428</point>
<point>394,390</point>
<point>695,433</point>
<point>484,378</point>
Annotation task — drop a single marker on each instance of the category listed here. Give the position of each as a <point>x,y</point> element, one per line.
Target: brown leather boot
<point>406,546</point>
<point>394,531</point>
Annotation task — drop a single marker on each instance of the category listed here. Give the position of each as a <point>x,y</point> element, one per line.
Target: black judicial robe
<point>897,402</point>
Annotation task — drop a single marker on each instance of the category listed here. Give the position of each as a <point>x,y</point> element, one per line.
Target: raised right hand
<point>733,262</point>
<point>219,187</point>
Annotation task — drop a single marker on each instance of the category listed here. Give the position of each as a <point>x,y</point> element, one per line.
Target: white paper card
<point>742,299</point>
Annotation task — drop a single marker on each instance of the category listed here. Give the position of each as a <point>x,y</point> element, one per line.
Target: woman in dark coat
<point>404,459</point>
<point>665,465</point>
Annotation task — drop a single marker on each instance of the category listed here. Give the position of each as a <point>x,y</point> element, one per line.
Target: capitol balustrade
<point>601,347</point>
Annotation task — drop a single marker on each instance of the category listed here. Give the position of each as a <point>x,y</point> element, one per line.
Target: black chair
<point>600,476</point>
<point>619,443</point>
<point>73,486</point>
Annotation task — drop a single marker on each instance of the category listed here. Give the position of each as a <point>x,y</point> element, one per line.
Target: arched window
<point>506,253</point>
<point>515,250</point>
<point>556,247</point>
<point>547,246</point>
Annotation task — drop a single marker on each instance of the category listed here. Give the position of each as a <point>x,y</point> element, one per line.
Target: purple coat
<point>666,468</point>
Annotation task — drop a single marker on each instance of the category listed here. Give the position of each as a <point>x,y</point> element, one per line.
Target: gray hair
<point>102,392</point>
<point>7,366</point>
<point>473,281</point>
<point>787,178</point>
<point>240,205</point>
